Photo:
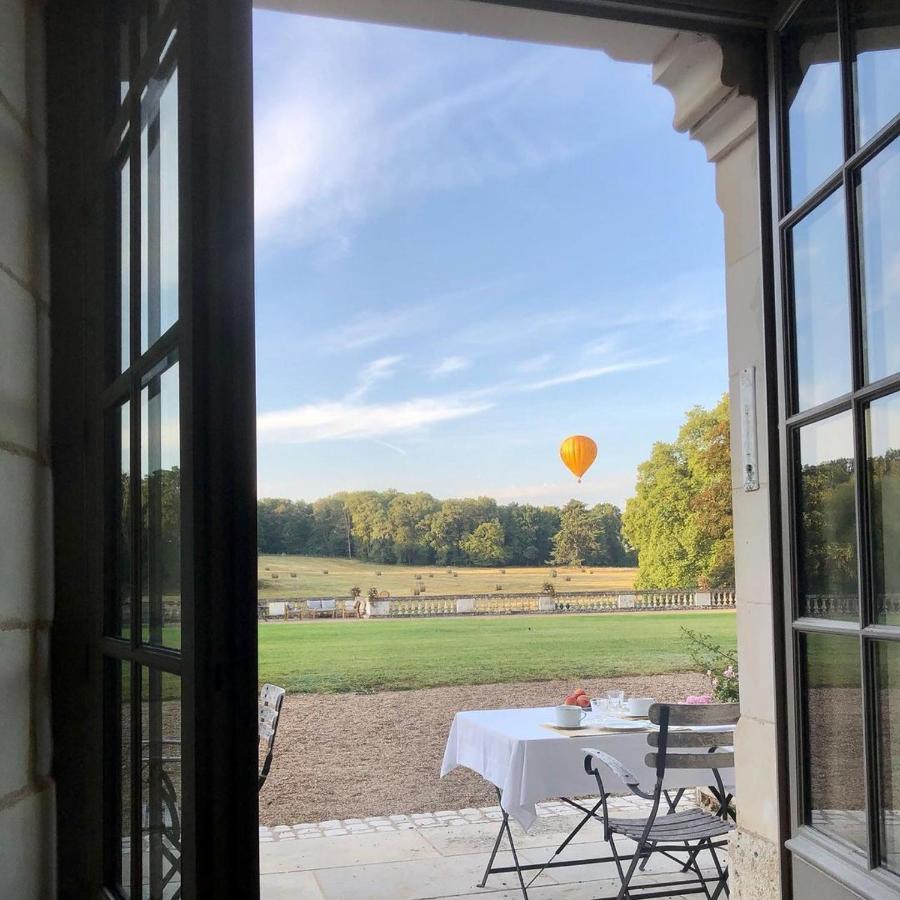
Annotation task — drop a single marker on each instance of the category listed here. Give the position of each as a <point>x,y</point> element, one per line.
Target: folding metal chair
<point>690,832</point>
<point>271,697</point>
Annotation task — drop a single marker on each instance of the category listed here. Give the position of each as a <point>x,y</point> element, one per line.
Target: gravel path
<point>339,756</point>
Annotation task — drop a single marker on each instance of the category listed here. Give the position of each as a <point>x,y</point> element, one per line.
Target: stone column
<point>27,817</point>
<point>725,122</point>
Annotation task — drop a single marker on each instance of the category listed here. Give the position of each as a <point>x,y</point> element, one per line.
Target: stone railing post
<point>376,609</point>
<point>702,598</point>
<point>546,604</point>
<point>465,605</point>
<point>626,601</point>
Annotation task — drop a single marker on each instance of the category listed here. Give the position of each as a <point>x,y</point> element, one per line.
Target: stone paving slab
<point>430,856</point>
<point>442,818</point>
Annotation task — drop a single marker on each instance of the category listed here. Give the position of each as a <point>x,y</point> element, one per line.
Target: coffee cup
<point>569,716</point>
<point>639,706</point>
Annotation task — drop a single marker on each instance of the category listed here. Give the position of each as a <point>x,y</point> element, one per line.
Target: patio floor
<point>440,855</point>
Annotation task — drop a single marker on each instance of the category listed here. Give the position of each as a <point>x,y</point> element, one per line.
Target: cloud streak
<point>593,372</point>
<point>346,419</point>
<point>450,364</point>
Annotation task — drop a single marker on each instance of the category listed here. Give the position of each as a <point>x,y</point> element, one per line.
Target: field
<point>407,654</point>
<point>289,577</point>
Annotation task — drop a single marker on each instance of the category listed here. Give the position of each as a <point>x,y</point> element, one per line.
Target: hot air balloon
<point>578,452</point>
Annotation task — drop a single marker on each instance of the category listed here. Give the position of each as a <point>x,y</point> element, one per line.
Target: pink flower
<point>729,672</point>
<point>697,699</point>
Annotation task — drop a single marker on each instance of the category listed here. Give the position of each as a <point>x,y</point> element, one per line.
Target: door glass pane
<point>826,527</point>
<point>812,84</point>
<point>883,463</point>
<point>122,744</point>
<point>119,525</point>
<point>879,218</point>
<point>161,509</point>
<point>876,44</point>
<point>161,784</point>
<point>159,209</point>
<point>887,669</point>
<point>820,303</point>
<point>125,265</point>
<point>833,737</point>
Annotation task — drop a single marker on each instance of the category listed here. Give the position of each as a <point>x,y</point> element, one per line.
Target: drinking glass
<point>616,700</point>
<point>599,707</point>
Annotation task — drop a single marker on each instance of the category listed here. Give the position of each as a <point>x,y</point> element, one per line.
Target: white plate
<point>622,725</point>
<point>568,727</point>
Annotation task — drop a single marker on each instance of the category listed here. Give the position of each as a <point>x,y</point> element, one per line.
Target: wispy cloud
<point>347,419</point>
<point>593,372</point>
<point>450,364</point>
<point>330,152</point>
<point>377,370</point>
<point>534,363</point>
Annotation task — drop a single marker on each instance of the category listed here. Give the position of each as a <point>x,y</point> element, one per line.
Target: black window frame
<point>862,872</point>
<point>214,342</point>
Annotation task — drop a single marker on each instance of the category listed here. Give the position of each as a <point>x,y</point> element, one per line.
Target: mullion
<point>142,72</point>
<point>807,204</point>
<point>134,147</point>
<point>822,411</point>
<point>875,144</point>
<point>161,658</point>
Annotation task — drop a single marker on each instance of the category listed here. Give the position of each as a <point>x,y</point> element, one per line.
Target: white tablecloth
<point>529,763</point>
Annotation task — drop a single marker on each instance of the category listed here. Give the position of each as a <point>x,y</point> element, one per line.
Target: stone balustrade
<point>502,603</point>
<point>508,603</point>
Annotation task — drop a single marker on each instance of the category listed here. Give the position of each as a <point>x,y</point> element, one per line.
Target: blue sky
<point>466,250</point>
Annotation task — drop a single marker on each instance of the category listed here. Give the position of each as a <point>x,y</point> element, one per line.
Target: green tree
<point>680,519</point>
<point>578,537</point>
<point>484,546</point>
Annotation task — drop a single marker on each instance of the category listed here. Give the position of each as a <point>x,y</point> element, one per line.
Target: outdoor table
<point>527,763</point>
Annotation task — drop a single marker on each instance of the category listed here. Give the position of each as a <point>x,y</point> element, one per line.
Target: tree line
<point>418,529</point>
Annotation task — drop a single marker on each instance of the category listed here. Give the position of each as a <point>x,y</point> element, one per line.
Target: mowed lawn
<point>321,576</point>
<point>405,654</point>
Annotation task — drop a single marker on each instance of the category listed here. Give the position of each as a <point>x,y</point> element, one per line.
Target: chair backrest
<point>313,604</point>
<point>328,605</point>
<point>710,749</point>
<point>276,608</point>
<point>271,698</point>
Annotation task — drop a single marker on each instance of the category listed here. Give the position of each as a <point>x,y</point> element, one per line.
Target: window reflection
<point>821,303</point>
<point>827,526</point>
<point>161,819</point>
<point>833,737</point>
<point>121,522</point>
<point>159,211</point>
<point>887,661</point>
<point>812,82</point>
<point>876,44</point>
<point>161,509</point>
<point>883,442</point>
<point>122,787</point>
<point>879,216</point>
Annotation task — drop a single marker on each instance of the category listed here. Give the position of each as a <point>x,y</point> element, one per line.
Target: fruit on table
<point>578,698</point>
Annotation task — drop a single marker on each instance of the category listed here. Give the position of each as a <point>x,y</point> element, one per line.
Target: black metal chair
<point>689,832</point>
<point>271,698</point>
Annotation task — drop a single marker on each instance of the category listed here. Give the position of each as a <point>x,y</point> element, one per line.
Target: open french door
<point>154,646</point>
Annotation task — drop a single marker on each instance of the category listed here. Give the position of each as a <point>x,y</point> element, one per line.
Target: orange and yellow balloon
<point>578,452</point>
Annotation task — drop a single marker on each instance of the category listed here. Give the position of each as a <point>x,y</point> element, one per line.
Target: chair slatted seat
<point>271,698</point>
<point>706,751</point>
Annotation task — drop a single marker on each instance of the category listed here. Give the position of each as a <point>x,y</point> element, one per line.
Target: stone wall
<point>26,559</point>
